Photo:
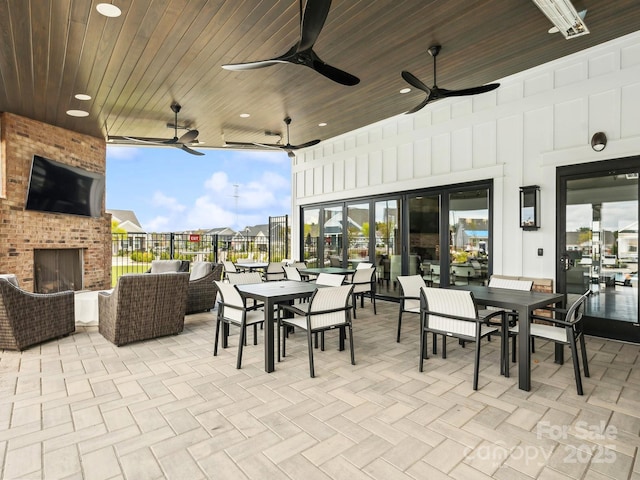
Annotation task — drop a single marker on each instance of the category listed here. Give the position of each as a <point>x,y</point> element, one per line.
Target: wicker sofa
<point>141,307</point>
<point>27,319</point>
<point>202,289</point>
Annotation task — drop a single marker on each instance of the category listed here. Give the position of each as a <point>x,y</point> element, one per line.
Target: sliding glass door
<point>404,234</point>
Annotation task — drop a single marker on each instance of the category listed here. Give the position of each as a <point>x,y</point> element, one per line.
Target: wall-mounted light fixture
<point>598,141</point>
<point>530,207</point>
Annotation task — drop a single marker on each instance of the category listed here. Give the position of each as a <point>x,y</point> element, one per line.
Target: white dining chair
<point>328,309</point>
<point>233,310</point>
<point>566,330</point>
<point>453,313</point>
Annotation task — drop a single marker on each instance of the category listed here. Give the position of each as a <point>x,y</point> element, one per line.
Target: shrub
<point>144,257</point>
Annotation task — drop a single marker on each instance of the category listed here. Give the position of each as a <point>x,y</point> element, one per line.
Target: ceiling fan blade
<point>313,18</point>
<point>148,141</point>
<point>303,145</point>
<point>415,82</point>
<point>421,106</point>
<point>189,150</point>
<point>253,145</point>
<point>253,65</point>
<point>189,137</point>
<point>333,73</point>
<point>468,91</point>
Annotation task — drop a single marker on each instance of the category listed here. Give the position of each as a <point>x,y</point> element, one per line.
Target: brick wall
<point>22,231</point>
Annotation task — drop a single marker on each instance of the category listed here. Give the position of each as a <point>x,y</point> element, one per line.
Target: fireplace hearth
<point>57,270</point>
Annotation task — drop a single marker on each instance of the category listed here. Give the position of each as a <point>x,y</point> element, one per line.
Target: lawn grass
<point>118,270</point>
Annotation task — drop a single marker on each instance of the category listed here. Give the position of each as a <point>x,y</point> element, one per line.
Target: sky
<point>170,190</point>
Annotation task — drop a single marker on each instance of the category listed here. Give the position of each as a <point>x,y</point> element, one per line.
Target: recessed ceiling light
<point>77,113</point>
<point>245,115</point>
<point>82,96</point>
<point>322,124</point>
<point>108,10</point>
<point>405,90</point>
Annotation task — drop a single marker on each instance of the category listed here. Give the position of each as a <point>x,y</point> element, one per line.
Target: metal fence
<point>133,252</point>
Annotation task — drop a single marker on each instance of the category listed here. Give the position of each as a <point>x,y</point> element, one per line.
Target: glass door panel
<point>468,237</point>
<point>358,233</point>
<point>424,237</point>
<point>333,231</point>
<point>387,242</point>
<point>601,245</point>
<point>311,235</point>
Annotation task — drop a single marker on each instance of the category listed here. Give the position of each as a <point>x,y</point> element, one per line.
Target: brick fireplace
<point>26,233</point>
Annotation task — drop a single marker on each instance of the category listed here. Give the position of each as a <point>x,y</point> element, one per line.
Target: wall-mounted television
<point>59,188</point>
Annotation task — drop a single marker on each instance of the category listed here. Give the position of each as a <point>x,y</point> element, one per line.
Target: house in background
<point>135,239</point>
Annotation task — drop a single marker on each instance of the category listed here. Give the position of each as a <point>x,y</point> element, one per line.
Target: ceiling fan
<point>288,147</point>
<point>312,19</point>
<point>435,93</point>
<point>182,142</point>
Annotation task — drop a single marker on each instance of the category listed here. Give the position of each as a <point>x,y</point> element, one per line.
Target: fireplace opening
<point>57,270</point>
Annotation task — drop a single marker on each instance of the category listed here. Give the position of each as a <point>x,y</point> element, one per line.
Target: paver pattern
<point>82,408</point>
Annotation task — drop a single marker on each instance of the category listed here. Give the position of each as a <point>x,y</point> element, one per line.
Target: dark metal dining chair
<point>454,313</point>
<point>233,310</point>
<point>565,330</point>
<point>328,309</point>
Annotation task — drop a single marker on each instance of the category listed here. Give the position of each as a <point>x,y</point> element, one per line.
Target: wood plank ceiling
<point>164,51</point>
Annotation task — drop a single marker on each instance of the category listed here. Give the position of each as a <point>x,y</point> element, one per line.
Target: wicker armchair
<point>27,319</point>
<point>203,291</point>
<point>143,307</point>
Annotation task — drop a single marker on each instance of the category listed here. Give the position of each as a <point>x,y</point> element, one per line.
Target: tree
<point>116,228</point>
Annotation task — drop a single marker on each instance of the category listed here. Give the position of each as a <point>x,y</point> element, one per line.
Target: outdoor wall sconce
<point>530,207</point>
<point>598,141</point>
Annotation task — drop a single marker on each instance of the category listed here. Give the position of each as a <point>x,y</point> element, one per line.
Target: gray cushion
<point>11,278</point>
<point>165,266</point>
<point>200,269</point>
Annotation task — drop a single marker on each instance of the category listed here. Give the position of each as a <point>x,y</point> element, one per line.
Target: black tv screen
<point>59,188</point>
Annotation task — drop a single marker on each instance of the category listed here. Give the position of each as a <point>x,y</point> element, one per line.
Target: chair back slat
<point>511,284</point>
<point>244,278</point>
<point>364,280</point>
<point>330,279</point>
<point>229,267</point>
<point>231,297</point>
<point>458,303</point>
<point>576,310</point>
<point>330,298</point>
<point>410,286</point>
<point>292,273</point>
<point>364,265</point>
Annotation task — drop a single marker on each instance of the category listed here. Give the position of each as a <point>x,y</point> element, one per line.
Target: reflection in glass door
<point>357,234</point>
<point>333,228</point>
<point>600,248</point>
<point>311,237</point>
<point>424,237</point>
<point>387,241</point>
<point>469,237</point>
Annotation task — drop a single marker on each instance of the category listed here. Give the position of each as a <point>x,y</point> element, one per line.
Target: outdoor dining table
<point>272,293</point>
<point>523,302</point>
<point>332,270</point>
<point>251,266</point>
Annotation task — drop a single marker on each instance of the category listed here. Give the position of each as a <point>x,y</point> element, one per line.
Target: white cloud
<point>159,199</point>
<point>218,182</point>
<point>158,224</point>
